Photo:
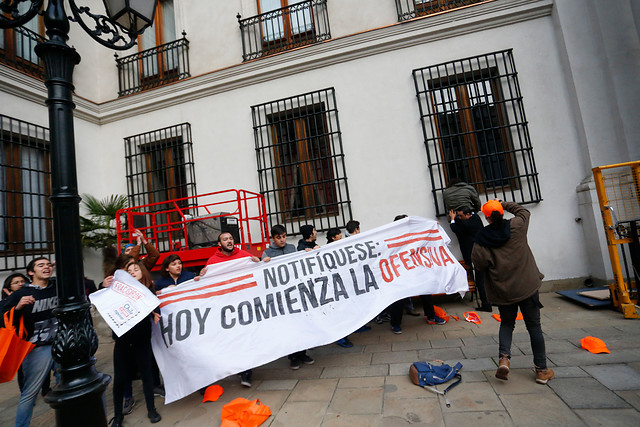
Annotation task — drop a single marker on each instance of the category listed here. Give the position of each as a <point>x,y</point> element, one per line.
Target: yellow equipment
<point>618,188</point>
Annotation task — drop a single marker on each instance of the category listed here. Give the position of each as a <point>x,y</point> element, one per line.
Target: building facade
<point>336,110</point>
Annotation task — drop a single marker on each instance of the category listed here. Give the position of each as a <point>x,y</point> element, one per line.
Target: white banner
<point>244,314</point>
<point>125,303</point>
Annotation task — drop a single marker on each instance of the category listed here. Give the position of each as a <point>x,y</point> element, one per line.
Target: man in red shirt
<point>226,252</point>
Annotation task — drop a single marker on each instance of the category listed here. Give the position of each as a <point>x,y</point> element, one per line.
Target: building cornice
<point>399,35</point>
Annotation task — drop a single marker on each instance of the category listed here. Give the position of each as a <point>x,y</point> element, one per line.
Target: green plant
<point>98,228</point>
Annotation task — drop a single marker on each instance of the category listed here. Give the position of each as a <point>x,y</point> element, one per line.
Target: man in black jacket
<point>466,224</point>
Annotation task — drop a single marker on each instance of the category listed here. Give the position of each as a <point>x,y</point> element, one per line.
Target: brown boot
<point>544,375</point>
<point>503,368</point>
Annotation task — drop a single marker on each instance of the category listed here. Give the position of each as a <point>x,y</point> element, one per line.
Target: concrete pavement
<point>368,385</point>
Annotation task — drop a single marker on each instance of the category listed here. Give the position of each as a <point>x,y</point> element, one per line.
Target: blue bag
<point>426,375</point>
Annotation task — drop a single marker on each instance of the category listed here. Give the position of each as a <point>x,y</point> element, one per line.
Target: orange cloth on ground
<point>472,316</point>
<point>241,412</point>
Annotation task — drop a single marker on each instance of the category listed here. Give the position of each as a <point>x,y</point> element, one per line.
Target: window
<point>25,185</point>
<point>475,127</point>
<point>282,25</point>
<point>300,161</point>
<point>156,66</point>
<point>160,166</point>
<point>17,45</point>
<point>409,9</point>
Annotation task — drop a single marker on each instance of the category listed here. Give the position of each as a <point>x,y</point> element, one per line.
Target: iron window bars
<point>17,51</point>
<point>160,168</point>
<point>409,9</point>
<point>26,227</point>
<point>475,128</point>
<point>154,67</point>
<point>284,29</point>
<point>301,162</point>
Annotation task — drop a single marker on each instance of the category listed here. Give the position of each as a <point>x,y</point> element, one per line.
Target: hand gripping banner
<point>242,314</point>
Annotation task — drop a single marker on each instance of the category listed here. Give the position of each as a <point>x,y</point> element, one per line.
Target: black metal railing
<point>17,51</point>
<point>475,128</point>
<point>409,9</point>
<point>284,29</point>
<point>154,67</point>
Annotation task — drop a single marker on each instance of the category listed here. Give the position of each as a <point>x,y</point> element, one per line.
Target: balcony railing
<point>409,9</point>
<point>17,51</point>
<point>154,67</point>
<point>284,29</point>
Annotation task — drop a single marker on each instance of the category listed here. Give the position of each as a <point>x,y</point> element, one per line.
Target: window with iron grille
<point>409,9</point>
<point>25,186</point>
<point>475,128</point>
<point>160,167</point>
<point>300,161</point>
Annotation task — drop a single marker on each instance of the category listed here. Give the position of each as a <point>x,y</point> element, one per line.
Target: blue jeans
<point>530,309</point>
<point>36,367</point>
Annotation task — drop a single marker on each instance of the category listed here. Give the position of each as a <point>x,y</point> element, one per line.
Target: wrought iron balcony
<point>284,29</point>
<point>154,67</point>
<point>17,50</point>
<point>409,9</point>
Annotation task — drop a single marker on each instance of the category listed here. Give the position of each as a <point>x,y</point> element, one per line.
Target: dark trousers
<point>530,309</point>
<point>396,309</point>
<point>298,355</point>
<point>123,355</point>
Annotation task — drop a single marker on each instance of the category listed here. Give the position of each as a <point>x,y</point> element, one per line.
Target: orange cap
<point>594,345</point>
<point>212,393</point>
<point>491,206</point>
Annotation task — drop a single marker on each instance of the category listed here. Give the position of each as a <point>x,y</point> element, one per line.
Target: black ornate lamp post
<point>77,400</point>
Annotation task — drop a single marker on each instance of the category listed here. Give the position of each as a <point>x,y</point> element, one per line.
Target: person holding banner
<point>34,302</point>
<point>512,280</point>
<point>172,273</point>
<point>227,252</point>
<point>134,345</point>
<point>308,241</point>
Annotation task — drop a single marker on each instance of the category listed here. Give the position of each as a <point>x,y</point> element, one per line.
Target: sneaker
<point>544,375</point>
<point>344,342</point>
<point>396,329</point>
<point>436,321</point>
<point>308,360</point>
<point>294,364</point>
<point>158,391</point>
<point>381,318</point>
<point>154,416</point>
<point>245,379</point>
<point>116,421</point>
<point>128,405</point>
<point>502,372</point>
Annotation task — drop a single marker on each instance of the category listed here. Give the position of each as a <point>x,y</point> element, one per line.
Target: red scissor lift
<point>189,227</point>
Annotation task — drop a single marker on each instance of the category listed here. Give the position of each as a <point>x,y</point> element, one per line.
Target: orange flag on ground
<point>497,317</point>
<point>472,316</point>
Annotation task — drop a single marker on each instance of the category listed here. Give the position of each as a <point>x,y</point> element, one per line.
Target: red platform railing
<point>189,226</point>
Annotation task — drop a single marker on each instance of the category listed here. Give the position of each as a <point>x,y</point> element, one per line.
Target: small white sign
<point>125,303</point>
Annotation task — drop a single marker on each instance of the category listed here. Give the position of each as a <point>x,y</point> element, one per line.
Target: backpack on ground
<point>427,375</point>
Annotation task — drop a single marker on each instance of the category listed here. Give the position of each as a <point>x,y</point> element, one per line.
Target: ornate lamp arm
<point>106,31</point>
<point>10,15</point>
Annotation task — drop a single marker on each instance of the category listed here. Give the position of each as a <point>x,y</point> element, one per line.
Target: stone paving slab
<point>539,409</point>
<point>479,419</point>
<point>356,401</point>
<point>609,417</point>
<point>580,393</point>
<point>471,397</point>
<point>615,377</point>
<point>421,411</point>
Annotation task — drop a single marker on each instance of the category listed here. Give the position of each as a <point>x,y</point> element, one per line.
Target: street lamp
<point>77,399</point>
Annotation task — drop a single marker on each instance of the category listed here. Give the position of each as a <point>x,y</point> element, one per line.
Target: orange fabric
<point>490,206</point>
<point>594,345</point>
<point>472,316</point>
<point>440,313</point>
<point>241,412</point>
<point>497,317</point>
<point>13,347</point>
<point>455,317</point>
<point>212,393</point>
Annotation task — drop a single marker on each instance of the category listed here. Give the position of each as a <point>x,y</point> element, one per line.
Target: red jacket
<point>220,256</point>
